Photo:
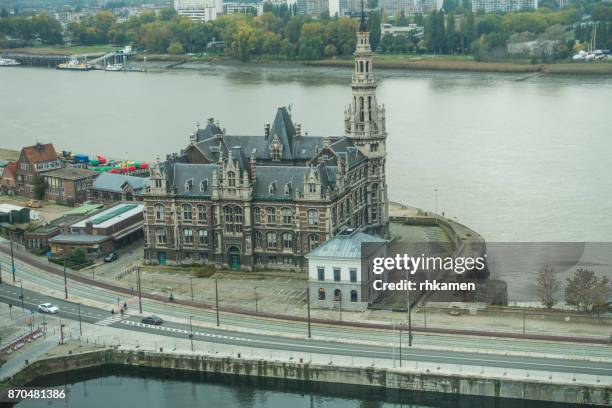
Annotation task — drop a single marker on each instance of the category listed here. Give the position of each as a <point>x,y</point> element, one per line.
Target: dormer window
<point>189,185</point>
<point>276,154</point>
<point>288,188</point>
<point>231,179</point>
<point>204,185</point>
<point>312,188</point>
<point>272,188</point>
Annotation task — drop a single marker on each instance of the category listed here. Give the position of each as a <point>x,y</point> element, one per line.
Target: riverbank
<point>395,62</point>
<point>427,377</point>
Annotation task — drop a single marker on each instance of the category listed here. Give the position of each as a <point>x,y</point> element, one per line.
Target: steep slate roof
<point>113,182</point>
<point>209,131</point>
<point>346,244</point>
<point>40,153</point>
<point>183,172</point>
<point>281,175</point>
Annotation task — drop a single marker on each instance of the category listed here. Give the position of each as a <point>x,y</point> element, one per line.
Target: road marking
<point>111,319</point>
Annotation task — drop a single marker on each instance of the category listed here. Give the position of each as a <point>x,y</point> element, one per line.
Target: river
<point>516,157</point>
<point>122,387</point>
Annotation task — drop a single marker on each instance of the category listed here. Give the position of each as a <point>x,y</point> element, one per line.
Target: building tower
<point>364,123</point>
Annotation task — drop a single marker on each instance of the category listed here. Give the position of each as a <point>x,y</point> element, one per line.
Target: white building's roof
<point>347,245</point>
<point>111,216</point>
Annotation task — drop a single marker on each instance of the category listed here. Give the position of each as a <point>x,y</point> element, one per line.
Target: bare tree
<point>584,290</point>
<point>548,286</point>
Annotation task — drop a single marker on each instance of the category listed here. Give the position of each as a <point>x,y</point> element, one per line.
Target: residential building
<point>267,200</point>
<point>201,10</point>
<point>243,8</point>
<point>68,185</point>
<point>503,6</point>
<point>313,8</point>
<point>39,237</point>
<point>101,232</point>
<point>8,180</point>
<point>410,31</point>
<point>34,160</point>
<point>338,275</point>
<point>109,188</point>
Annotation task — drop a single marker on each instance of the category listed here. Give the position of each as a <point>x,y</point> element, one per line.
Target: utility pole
<point>65,279</point>
<point>80,323</point>
<point>191,284</point>
<point>21,295</point>
<point>217,300</point>
<point>256,308</point>
<point>523,319</point>
<point>308,298</point>
<point>191,332</point>
<point>340,308</point>
<point>12,256</point>
<point>400,345</point>
<point>436,190</point>
<point>61,328</point>
<point>139,291</point>
<point>409,318</point>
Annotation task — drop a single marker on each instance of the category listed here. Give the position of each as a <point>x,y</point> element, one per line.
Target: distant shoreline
<point>425,63</point>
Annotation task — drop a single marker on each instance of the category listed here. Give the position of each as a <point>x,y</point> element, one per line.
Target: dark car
<point>112,256</point>
<point>152,320</point>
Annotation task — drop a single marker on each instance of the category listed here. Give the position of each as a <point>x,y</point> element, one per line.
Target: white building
<point>503,6</point>
<point>202,10</point>
<point>336,277</point>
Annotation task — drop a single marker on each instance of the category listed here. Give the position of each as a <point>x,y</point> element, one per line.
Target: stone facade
<point>249,201</point>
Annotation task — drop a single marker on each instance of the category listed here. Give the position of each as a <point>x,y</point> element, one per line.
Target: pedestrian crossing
<point>112,319</point>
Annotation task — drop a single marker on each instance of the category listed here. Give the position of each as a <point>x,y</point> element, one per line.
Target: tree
<point>4,13</point>
<point>39,186</point>
<point>175,48</point>
<point>584,290</point>
<point>451,33</point>
<point>77,258</point>
<point>548,286</point>
<point>374,29</point>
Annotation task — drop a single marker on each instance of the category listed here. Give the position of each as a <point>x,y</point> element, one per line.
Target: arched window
<point>189,185</point>
<point>271,215</point>
<point>202,215</point>
<point>160,235</point>
<point>233,218</point>
<point>313,242</point>
<point>313,217</point>
<point>203,237</point>
<point>288,188</point>
<point>360,66</point>
<point>287,214</point>
<point>287,240</point>
<point>321,294</point>
<point>231,179</point>
<point>160,212</point>
<point>187,212</point>
<point>367,66</point>
<point>361,115</point>
<point>188,236</point>
<point>353,295</point>
<point>338,295</point>
<point>272,187</point>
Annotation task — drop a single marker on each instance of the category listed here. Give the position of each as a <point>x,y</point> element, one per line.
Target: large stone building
<point>244,201</point>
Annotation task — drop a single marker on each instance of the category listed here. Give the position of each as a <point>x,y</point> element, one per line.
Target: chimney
<point>253,165</point>
<point>298,131</point>
<point>266,131</point>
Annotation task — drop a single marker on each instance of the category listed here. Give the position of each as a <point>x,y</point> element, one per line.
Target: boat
<point>114,67</point>
<point>76,65</point>
<point>8,62</point>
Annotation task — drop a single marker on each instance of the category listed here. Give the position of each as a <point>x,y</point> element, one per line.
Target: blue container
<point>81,158</point>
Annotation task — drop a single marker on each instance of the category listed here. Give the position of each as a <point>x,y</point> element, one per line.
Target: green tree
<point>451,33</point>
<point>548,286</point>
<point>77,258</point>
<point>584,290</point>
<point>374,29</point>
<point>175,48</point>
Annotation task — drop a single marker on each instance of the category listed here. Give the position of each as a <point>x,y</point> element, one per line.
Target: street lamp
<point>436,212</point>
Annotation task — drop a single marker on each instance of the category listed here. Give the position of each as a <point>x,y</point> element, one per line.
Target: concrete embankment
<point>297,370</point>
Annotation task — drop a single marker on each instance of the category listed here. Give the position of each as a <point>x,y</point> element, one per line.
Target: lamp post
<point>80,322</point>
<point>191,285</point>
<point>12,256</point>
<point>256,308</point>
<point>139,290</point>
<point>217,300</point>
<point>436,212</point>
<point>21,294</point>
<point>308,303</point>
<point>191,332</point>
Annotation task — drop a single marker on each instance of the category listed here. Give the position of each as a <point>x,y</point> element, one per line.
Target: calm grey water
<point>516,158</point>
<point>119,388</point>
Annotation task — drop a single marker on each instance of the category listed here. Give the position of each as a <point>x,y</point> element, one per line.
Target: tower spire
<point>363,27</point>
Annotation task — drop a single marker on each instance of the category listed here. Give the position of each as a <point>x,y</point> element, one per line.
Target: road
<point>104,296</point>
<point>11,294</point>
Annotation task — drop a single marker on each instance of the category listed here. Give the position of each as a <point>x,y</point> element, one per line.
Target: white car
<point>48,308</point>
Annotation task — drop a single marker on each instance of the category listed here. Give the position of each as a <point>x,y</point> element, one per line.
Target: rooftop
<point>346,244</point>
<point>70,173</point>
<point>78,238</point>
<point>114,182</point>
<point>111,216</point>
<point>40,153</point>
